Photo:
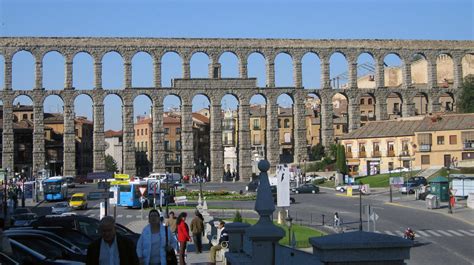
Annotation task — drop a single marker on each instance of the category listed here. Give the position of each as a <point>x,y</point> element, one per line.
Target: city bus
<point>55,188</point>
<point>130,194</point>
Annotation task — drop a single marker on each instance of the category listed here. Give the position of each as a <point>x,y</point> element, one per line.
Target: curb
<point>427,210</point>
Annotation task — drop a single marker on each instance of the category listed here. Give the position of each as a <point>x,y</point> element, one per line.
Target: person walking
<point>171,224</point>
<point>337,221</point>
<point>197,228</point>
<point>111,248</point>
<point>152,242</point>
<point>222,236</point>
<point>183,236</point>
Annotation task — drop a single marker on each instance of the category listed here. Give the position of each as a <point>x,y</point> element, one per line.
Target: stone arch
<point>421,102</point>
<point>393,69</point>
<point>82,78</point>
<point>142,69</point>
<point>286,127</point>
<point>229,62</point>
<point>467,64</point>
<point>311,70</point>
<point>340,105</point>
<point>419,68</point>
<point>53,70</point>
<point>338,70</point>
<point>256,66</point>
<point>53,120</point>
<point>2,72</point>
<point>199,64</point>
<point>365,70</point>
<point>394,105</point>
<point>201,108</point>
<point>143,127</point>
<point>258,128</point>
<point>367,103</point>
<point>23,70</point>
<point>447,102</point>
<point>230,103</point>
<point>23,137</point>
<point>113,67</point>
<point>84,125</point>
<point>312,105</point>
<point>284,69</point>
<point>171,67</point>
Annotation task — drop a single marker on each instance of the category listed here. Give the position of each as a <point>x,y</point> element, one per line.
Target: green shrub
<point>467,170</point>
<point>237,217</point>
<point>319,181</point>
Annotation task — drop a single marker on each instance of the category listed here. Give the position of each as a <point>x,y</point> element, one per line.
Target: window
<point>141,132</point>
<point>31,116</point>
<point>376,147</point>
<point>425,159</point>
<point>440,140</point>
<point>167,145</point>
<point>256,124</point>
<point>362,147</point>
<point>178,145</point>
<point>362,101</point>
<point>337,127</point>
<point>146,131</point>
<point>167,158</point>
<point>453,139</point>
<point>405,145</point>
<point>287,123</point>
<point>167,130</point>
<point>287,137</point>
<point>369,101</point>
<point>25,116</point>
<point>390,166</point>
<point>396,108</point>
<point>178,158</point>
<point>349,148</point>
<point>178,130</point>
<point>138,132</point>
<point>279,123</point>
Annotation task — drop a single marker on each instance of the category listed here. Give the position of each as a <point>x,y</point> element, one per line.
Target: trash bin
<point>432,201</point>
<point>440,187</point>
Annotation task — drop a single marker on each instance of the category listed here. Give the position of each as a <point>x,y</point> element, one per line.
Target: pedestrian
<point>152,242</point>
<point>337,220</point>
<point>111,248</point>
<point>5,246</point>
<point>183,236</point>
<point>222,236</point>
<point>171,224</point>
<point>197,228</point>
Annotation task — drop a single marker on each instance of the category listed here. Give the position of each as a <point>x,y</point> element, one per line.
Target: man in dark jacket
<point>111,248</point>
<point>197,228</point>
<point>222,236</point>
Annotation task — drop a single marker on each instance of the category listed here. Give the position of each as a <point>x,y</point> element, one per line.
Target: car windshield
<point>21,211</point>
<point>77,198</point>
<point>61,204</point>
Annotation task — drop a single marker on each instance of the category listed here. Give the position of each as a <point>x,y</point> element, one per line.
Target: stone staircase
<point>428,172</point>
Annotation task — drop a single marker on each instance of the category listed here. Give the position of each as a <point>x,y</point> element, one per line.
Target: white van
<point>157,176</point>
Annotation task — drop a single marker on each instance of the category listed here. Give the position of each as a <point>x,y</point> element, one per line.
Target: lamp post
<point>5,193</point>
<point>23,188</point>
<point>289,221</point>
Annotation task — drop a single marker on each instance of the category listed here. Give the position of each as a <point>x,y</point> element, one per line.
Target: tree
<point>110,164</point>
<point>341,164</point>
<point>317,152</point>
<point>467,95</point>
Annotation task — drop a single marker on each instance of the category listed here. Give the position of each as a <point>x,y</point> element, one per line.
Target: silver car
<point>60,208</point>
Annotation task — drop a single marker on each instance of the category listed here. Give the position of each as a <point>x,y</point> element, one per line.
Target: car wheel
<point>297,192</point>
<point>292,200</point>
<point>342,190</point>
<point>313,191</point>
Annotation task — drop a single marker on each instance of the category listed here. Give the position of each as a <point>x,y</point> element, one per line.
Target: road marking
<point>129,216</point>
<point>422,233</point>
<point>138,216</point>
<point>466,232</point>
<point>433,233</point>
<point>389,233</point>
<point>120,216</point>
<point>454,232</point>
<point>444,233</point>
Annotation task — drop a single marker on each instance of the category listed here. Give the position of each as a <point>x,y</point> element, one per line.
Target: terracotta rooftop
<point>112,133</point>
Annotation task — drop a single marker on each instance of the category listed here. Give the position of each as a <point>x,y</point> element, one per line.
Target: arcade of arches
<point>434,89</point>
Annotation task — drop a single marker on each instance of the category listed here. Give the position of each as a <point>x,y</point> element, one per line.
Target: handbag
<point>170,254</point>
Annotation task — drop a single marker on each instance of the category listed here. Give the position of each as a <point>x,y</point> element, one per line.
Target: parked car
<point>60,208</point>
<point>418,180</point>
<point>6,260</point>
<point>343,188</point>
<point>48,244</point>
<point>253,185</point>
<point>22,217</point>
<point>274,194</point>
<point>408,187</point>
<point>25,255</point>
<point>87,225</point>
<point>307,188</point>
<point>70,182</point>
<point>78,201</point>
<point>310,179</point>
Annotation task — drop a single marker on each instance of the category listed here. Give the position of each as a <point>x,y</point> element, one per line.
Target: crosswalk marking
<point>433,233</point>
<point>423,233</point>
<point>129,216</point>
<point>466,232</point>
<point>138,216</point>
<point>444,233</point>
<point>120,216</point>
<point>455,233</point>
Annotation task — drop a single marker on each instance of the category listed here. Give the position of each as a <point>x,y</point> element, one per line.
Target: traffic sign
<point>142,199</point>
<point>153,185</point>
<point>119,182</point>
<point>374,217</point>
<point>142,190</point>
<point>103,185</point>
<point>100,195</point>
<point>122,176</point>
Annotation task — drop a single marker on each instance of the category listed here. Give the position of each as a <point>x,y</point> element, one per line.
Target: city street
<point>441,239</point>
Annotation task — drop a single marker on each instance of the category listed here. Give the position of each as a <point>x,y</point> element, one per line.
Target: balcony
<point>391,153</point>
<point>404,153</point>
<point>362,154</point>
<point>348,154</point>
<point>468,146</point>
<point>376,154</point>
<point>425,148</point>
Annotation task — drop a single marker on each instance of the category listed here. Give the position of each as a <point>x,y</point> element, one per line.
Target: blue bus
<point>55,188</point>
<point>130,194</point>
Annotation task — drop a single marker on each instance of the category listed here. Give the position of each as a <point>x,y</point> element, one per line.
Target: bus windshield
<point>54,187</point>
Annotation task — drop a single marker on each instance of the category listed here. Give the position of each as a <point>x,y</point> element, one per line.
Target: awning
<point>353,162</point>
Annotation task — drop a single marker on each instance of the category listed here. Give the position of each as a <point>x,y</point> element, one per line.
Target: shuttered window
<point>424,138</point>
<point>467,136</point>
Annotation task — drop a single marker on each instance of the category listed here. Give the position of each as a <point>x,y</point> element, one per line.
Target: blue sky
<point>366,19</point>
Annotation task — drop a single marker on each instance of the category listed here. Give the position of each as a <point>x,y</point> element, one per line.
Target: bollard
<point>323,219</point>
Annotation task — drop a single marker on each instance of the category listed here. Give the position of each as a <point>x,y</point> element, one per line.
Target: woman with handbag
<point>151,246</point>
<point>183,236</point>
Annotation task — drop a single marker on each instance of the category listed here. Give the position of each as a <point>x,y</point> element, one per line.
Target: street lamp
<point>23,188</point>
<point>289,221</point>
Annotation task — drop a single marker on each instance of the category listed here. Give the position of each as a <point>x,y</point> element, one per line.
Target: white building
<point>114,146</point>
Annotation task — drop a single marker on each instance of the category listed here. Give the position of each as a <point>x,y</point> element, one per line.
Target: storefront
<point>373,167</point>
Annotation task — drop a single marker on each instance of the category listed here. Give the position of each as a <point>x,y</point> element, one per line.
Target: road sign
<point>119,182</point>
<point>142,190</point>
<point>103,185</point>
<point>142,199</point>
<point>122,176</point>
<point>100,175</point>
<point>153,185</point>
<point>396,181</point>
<point>100,195</point>
<point>374,217</point>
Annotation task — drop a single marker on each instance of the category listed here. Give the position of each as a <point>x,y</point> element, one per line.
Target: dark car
<point>253,185</point>
<point>86,225</point>
<point>47,244</point>
<point>25,255</point>
<point>418,180</point>
<point>307,188</point>
<point>408,187</point>
<point>22,217</point>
